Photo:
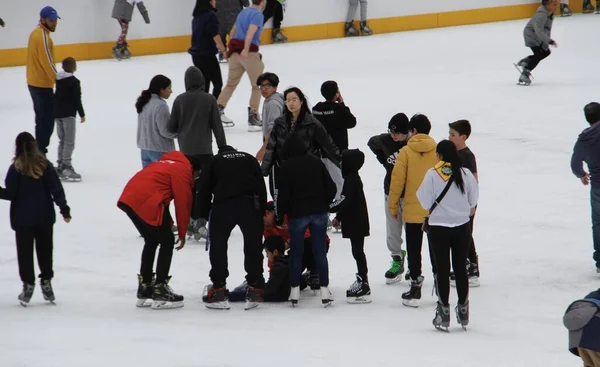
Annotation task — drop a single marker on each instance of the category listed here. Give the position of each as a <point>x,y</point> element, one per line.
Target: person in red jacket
<point>146,200</point>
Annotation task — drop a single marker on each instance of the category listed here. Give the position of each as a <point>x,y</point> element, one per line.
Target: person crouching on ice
<point>582,319</point>
<point>146,200</point>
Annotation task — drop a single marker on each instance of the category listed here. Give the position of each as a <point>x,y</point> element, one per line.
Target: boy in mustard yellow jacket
<point>41,76</point>
<point>413,162</point>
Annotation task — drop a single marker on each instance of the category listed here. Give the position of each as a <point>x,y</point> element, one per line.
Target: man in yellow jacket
<point>41,76</point>
<point>414,160</point>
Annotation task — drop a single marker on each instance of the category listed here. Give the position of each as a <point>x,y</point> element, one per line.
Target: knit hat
<point>329,90</point>
<point>398,124</point>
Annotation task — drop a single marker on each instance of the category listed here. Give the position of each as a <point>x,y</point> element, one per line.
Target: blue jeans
<point>317,224</point>
<point>595,201</point>
<point>43,106</point>
<point>150,156</point>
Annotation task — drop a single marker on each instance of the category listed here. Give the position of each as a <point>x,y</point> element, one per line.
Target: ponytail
<point>157,84</point>
<point>143,100</point>
<point>448,153</point>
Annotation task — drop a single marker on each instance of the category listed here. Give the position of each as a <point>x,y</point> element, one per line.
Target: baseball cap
<point>49,12</point>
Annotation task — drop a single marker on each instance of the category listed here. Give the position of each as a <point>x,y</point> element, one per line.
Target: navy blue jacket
<point>32,200</point>
<point>204,27</point>
<point>587,149</point>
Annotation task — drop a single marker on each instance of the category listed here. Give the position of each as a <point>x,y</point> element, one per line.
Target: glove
<point>2,23</point>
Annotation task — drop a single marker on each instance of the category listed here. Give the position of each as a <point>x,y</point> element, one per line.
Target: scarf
<point>444,170</point>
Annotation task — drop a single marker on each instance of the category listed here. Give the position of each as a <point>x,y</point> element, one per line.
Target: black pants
<point>209,66</point>
<point>539,54</point>
<point>153,237</point>
<point>309,262</point>
<point>414,245</point>
<point>43,106</point>
<point>41,238</point>
<point>225,216</point>
<point>274,10</point>
<point>358,251</point>
<point>457,239</point>
<point>472,255</point>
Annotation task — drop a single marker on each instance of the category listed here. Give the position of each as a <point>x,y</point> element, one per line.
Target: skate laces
<point>356,286</point>
<point>396,265</point>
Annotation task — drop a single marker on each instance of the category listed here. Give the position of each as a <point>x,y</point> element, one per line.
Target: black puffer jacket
<point>310,131</point>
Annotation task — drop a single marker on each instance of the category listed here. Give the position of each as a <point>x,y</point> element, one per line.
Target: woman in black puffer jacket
<point>296,119</point>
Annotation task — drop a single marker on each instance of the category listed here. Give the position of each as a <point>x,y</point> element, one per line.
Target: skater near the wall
<point>123,13</point>
<point>232,193</point>
<point>153,136</point>
<point>364,28</point>
<point>32,187</point>
<point>587,149</point>
<point>206,42</point>
<point>537,35</point>
<point>275,9</point>
<point>450,193</point>
<point>582,319</point>
<point>41,76</point>
<point>244,58</point>
<point>386,147</point>
<point>353,215</point>
<point>227,12</point>
<point>68,105</point>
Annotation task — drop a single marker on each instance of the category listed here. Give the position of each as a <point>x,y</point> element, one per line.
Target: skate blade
<point>24,304</point>
<point>359,300</point>
<point>395,280</point>
<point>250,305</point>
<point>228,124</point>
<point>164,305</point>
<point>254,129</point>
<point>224,305</point>
<point>414,303</point>
<point>294,302</point>
<point>327,302</point>
<point>442,328</point>
<point>143,303</point>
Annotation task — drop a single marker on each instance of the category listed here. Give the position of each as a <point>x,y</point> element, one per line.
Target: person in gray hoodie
<point>582,319</point>
<point>537,36</point>
<point>273,106</point>
<point>195,117</point>
<point>587,149</point>
<point>123,12</point>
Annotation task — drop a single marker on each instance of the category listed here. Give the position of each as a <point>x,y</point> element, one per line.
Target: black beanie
<point>398,124</point>
<point>329,89</point>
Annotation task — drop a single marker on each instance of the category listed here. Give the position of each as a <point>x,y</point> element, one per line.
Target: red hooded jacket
<point>154,187</point>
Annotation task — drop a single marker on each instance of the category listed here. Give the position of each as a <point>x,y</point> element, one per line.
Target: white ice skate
<point>326,297</point>
<point>294,296</point>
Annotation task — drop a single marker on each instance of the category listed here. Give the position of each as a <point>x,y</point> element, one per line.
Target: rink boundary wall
<point>176,44</point>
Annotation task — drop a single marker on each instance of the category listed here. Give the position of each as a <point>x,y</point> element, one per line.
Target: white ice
<point>533,230</point>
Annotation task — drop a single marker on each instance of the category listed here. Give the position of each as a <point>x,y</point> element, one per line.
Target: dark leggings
<point>211,70</point>
<point>457,239</point>
<point>414,246</point>
<point>273,9</point>
<point>539,54</point>
<point>358,251</point>
<point>472,255</point>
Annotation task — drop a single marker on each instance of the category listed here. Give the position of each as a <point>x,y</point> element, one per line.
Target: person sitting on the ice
<point>277,288</point>
<point>582,319</point>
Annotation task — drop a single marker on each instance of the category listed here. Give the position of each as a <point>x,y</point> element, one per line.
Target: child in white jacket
<point>449,227</point>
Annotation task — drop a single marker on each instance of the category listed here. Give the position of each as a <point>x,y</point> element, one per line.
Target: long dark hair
<point>304,110</point>
<point>202,6</point>
<point>28,159</point>
<point>157,83</point>
<point>448,153</point>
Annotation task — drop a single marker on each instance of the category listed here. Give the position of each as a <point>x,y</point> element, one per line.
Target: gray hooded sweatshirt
<point>195,117</point>
<point>578,315</point>
<point>272,108</point>
<point>538,29</point>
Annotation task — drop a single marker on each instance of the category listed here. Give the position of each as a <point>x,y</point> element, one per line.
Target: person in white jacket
<point>449,227</point>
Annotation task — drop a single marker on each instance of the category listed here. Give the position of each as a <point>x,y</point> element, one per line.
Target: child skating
<point>123,13</point>
<point>364,28</point>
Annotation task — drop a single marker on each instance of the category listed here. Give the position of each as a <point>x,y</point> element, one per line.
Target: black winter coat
<point>352,209</point>
<point>337,119</point>
<point>311,132</point>
<point>67,98</point>
<point>277,288</point>
<point>386,150</point>
<point>32,200</point>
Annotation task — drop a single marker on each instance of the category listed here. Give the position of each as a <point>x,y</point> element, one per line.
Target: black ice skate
<point>226,121</point>
<point>413,296</point>
<point>254,296</point>
<point>163,296</point>
<point>313,282</point>
<point>394,274</point>
<point>441,321</point>
<point>462,315</point>
<point>587,7</point>
<point>473,272</point>
<point>565,11</point>
<point>326,297</point>
<point>351,30</point>
<point>26,294</point>
<point>279,37</point>
<point>196,231</point>
<point>254,122</point>
<point>144,293</point>
<point>216,298</point>
<point>359,292</point>
<point>294,296</point>
<point>47,291</point>
<point>118,52</point>
<point>364,29</point>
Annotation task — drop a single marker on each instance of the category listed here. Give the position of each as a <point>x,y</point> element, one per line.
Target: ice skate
<point>254,122</point>
<point>441,321</point>
<point>565,11</point>
<point>26,294</point>
<point>196,231</point>
<point>351,30</point>
<point>216,298</point>
<point>587,7</point>
<point>313,282</point>
<point>326,297</point>
<point>144,293</point>
<point>473,272</point>
<point>462,315</point>
<point>525,77</point>
<point>163,297</point>
<point>47,291</point>
<point>394,273</point>
<point>294,296</point>
<point>254,297</point>
<point>226,121</point>
<point>117,52</point>
<point>359,292</point>
<point>413,296</point>
<point>598,270</point>
<point>279,37</point>
<point>125,51</point>
<point>69,174</point>
<point>364,29</point>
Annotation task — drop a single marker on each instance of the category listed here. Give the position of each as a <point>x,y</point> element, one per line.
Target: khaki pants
<point>590,358</point>
<point>254,67</point>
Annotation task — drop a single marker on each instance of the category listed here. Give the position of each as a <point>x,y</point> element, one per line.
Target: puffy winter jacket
<point>582,319</point>
<point>538,29</point>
